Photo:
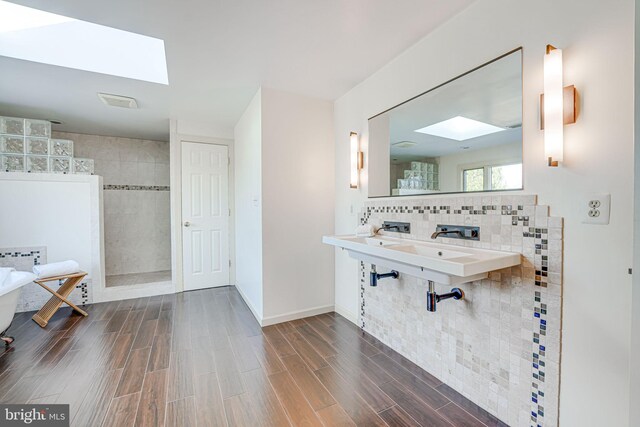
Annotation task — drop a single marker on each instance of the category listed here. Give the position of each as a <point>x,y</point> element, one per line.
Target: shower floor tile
<point>138,278</point>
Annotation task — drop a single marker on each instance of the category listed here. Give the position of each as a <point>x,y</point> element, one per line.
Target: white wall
<point>248,213</point>
<point>61,212</point>
<point>451,166</point>
<point>297,205</point>
<point>598,41</point>
<point>188,127</point>
<point>634,395</point>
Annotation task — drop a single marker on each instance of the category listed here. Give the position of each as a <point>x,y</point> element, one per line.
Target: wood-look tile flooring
<point>200,358</point>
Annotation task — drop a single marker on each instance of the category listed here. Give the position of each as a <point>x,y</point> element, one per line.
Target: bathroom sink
<point>376,241</point>
<point>446,264</point>
<point>432,252</point>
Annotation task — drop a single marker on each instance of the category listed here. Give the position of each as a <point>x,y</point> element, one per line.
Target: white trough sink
<point>446,264</point>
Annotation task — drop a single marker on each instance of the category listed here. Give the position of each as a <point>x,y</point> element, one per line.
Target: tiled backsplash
<point>500,346</point>
<point>136,200</point>
<point>33,297</point>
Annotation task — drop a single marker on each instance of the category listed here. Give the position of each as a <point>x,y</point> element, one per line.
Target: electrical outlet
<point>596,209</point>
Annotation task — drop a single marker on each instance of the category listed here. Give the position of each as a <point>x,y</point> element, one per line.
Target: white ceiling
<point>218,53</point>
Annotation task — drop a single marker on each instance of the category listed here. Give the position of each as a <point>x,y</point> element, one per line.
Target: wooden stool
<point>49,309</point>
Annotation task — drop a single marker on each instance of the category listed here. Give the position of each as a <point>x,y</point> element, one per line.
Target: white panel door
<point>205,215</point>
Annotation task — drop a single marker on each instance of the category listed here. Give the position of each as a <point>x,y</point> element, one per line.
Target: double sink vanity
<point>434,262</point>
<point>464,136</point>
<point>437,262</point>
<point>446,216</point>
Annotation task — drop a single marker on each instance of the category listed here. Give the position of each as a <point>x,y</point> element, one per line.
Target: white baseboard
<point>272,320</point>
<point>251,307</point>
<point>115,293</point>
<point>349,315</point>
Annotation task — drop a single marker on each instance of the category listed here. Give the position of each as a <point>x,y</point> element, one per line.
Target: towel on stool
<point>56,269</point>
<point>366,230</point>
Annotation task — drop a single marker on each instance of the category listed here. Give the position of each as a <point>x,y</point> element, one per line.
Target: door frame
<point>176,141</point>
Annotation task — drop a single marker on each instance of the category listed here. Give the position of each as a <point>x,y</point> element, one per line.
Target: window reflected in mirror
<point>462,136</point>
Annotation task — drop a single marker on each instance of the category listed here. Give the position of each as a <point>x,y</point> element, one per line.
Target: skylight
<point>460,129</point>
<point>34,35</point>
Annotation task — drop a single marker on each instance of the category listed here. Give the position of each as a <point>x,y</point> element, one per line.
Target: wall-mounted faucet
<point>398,227</point>
<point>437,234</point>
<point>433,298</point>
<point>375,276</point>
<point>457,232</point>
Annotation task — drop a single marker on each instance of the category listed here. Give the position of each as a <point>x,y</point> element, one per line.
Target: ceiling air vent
<point>404,144</point>
<point>118,101</point>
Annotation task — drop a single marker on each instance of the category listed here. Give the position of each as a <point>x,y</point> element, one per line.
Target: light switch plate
<point>596,209</point>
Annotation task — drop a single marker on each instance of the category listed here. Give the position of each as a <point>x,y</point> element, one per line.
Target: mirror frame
<point>521,50</point>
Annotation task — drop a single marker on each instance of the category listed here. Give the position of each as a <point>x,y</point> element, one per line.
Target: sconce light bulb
<point>354,160</point>
<point>553,105</point>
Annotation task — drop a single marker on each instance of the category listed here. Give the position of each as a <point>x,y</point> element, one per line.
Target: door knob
<point>187,224</point>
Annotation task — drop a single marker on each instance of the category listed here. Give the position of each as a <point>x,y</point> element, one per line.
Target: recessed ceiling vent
<point>404,144</point>
<point>118,101</point>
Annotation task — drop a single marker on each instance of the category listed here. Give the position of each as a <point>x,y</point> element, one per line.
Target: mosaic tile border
<point>33,297</point>
<point>19,254</point>
<point>516,223</point>
<point>362,295</point>
<point>137,187</point>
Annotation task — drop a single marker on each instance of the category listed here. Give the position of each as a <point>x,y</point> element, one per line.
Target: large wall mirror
<point>462,136</point>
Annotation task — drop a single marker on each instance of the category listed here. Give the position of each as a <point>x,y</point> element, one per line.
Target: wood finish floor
<point>200,359</point>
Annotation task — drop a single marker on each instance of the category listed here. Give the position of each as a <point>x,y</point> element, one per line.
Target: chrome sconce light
<point>557,106</point>
<point>357,160</point>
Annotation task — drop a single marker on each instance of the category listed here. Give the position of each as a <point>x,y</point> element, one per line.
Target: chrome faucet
<point>398,227</point>
<point>389,227</point>
<point>436,234</point>
<point>465,232</point>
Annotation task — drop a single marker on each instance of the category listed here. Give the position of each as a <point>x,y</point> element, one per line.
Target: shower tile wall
<point>500,347</point>
<point>136,200</point>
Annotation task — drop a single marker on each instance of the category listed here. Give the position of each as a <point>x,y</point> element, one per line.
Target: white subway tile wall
<point>500,346</point>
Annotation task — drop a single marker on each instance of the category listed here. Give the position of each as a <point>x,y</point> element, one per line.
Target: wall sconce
<point>357,160</point>
<point>557,106</point>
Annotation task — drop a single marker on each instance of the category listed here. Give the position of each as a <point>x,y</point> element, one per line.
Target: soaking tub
<point>11,283</point>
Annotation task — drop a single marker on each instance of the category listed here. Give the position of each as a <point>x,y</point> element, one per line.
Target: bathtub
<point>11,283</point>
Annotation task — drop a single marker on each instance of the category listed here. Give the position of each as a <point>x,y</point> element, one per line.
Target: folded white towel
<point>366,230</point>
<point>5,272</point>
<point>56,269</point>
